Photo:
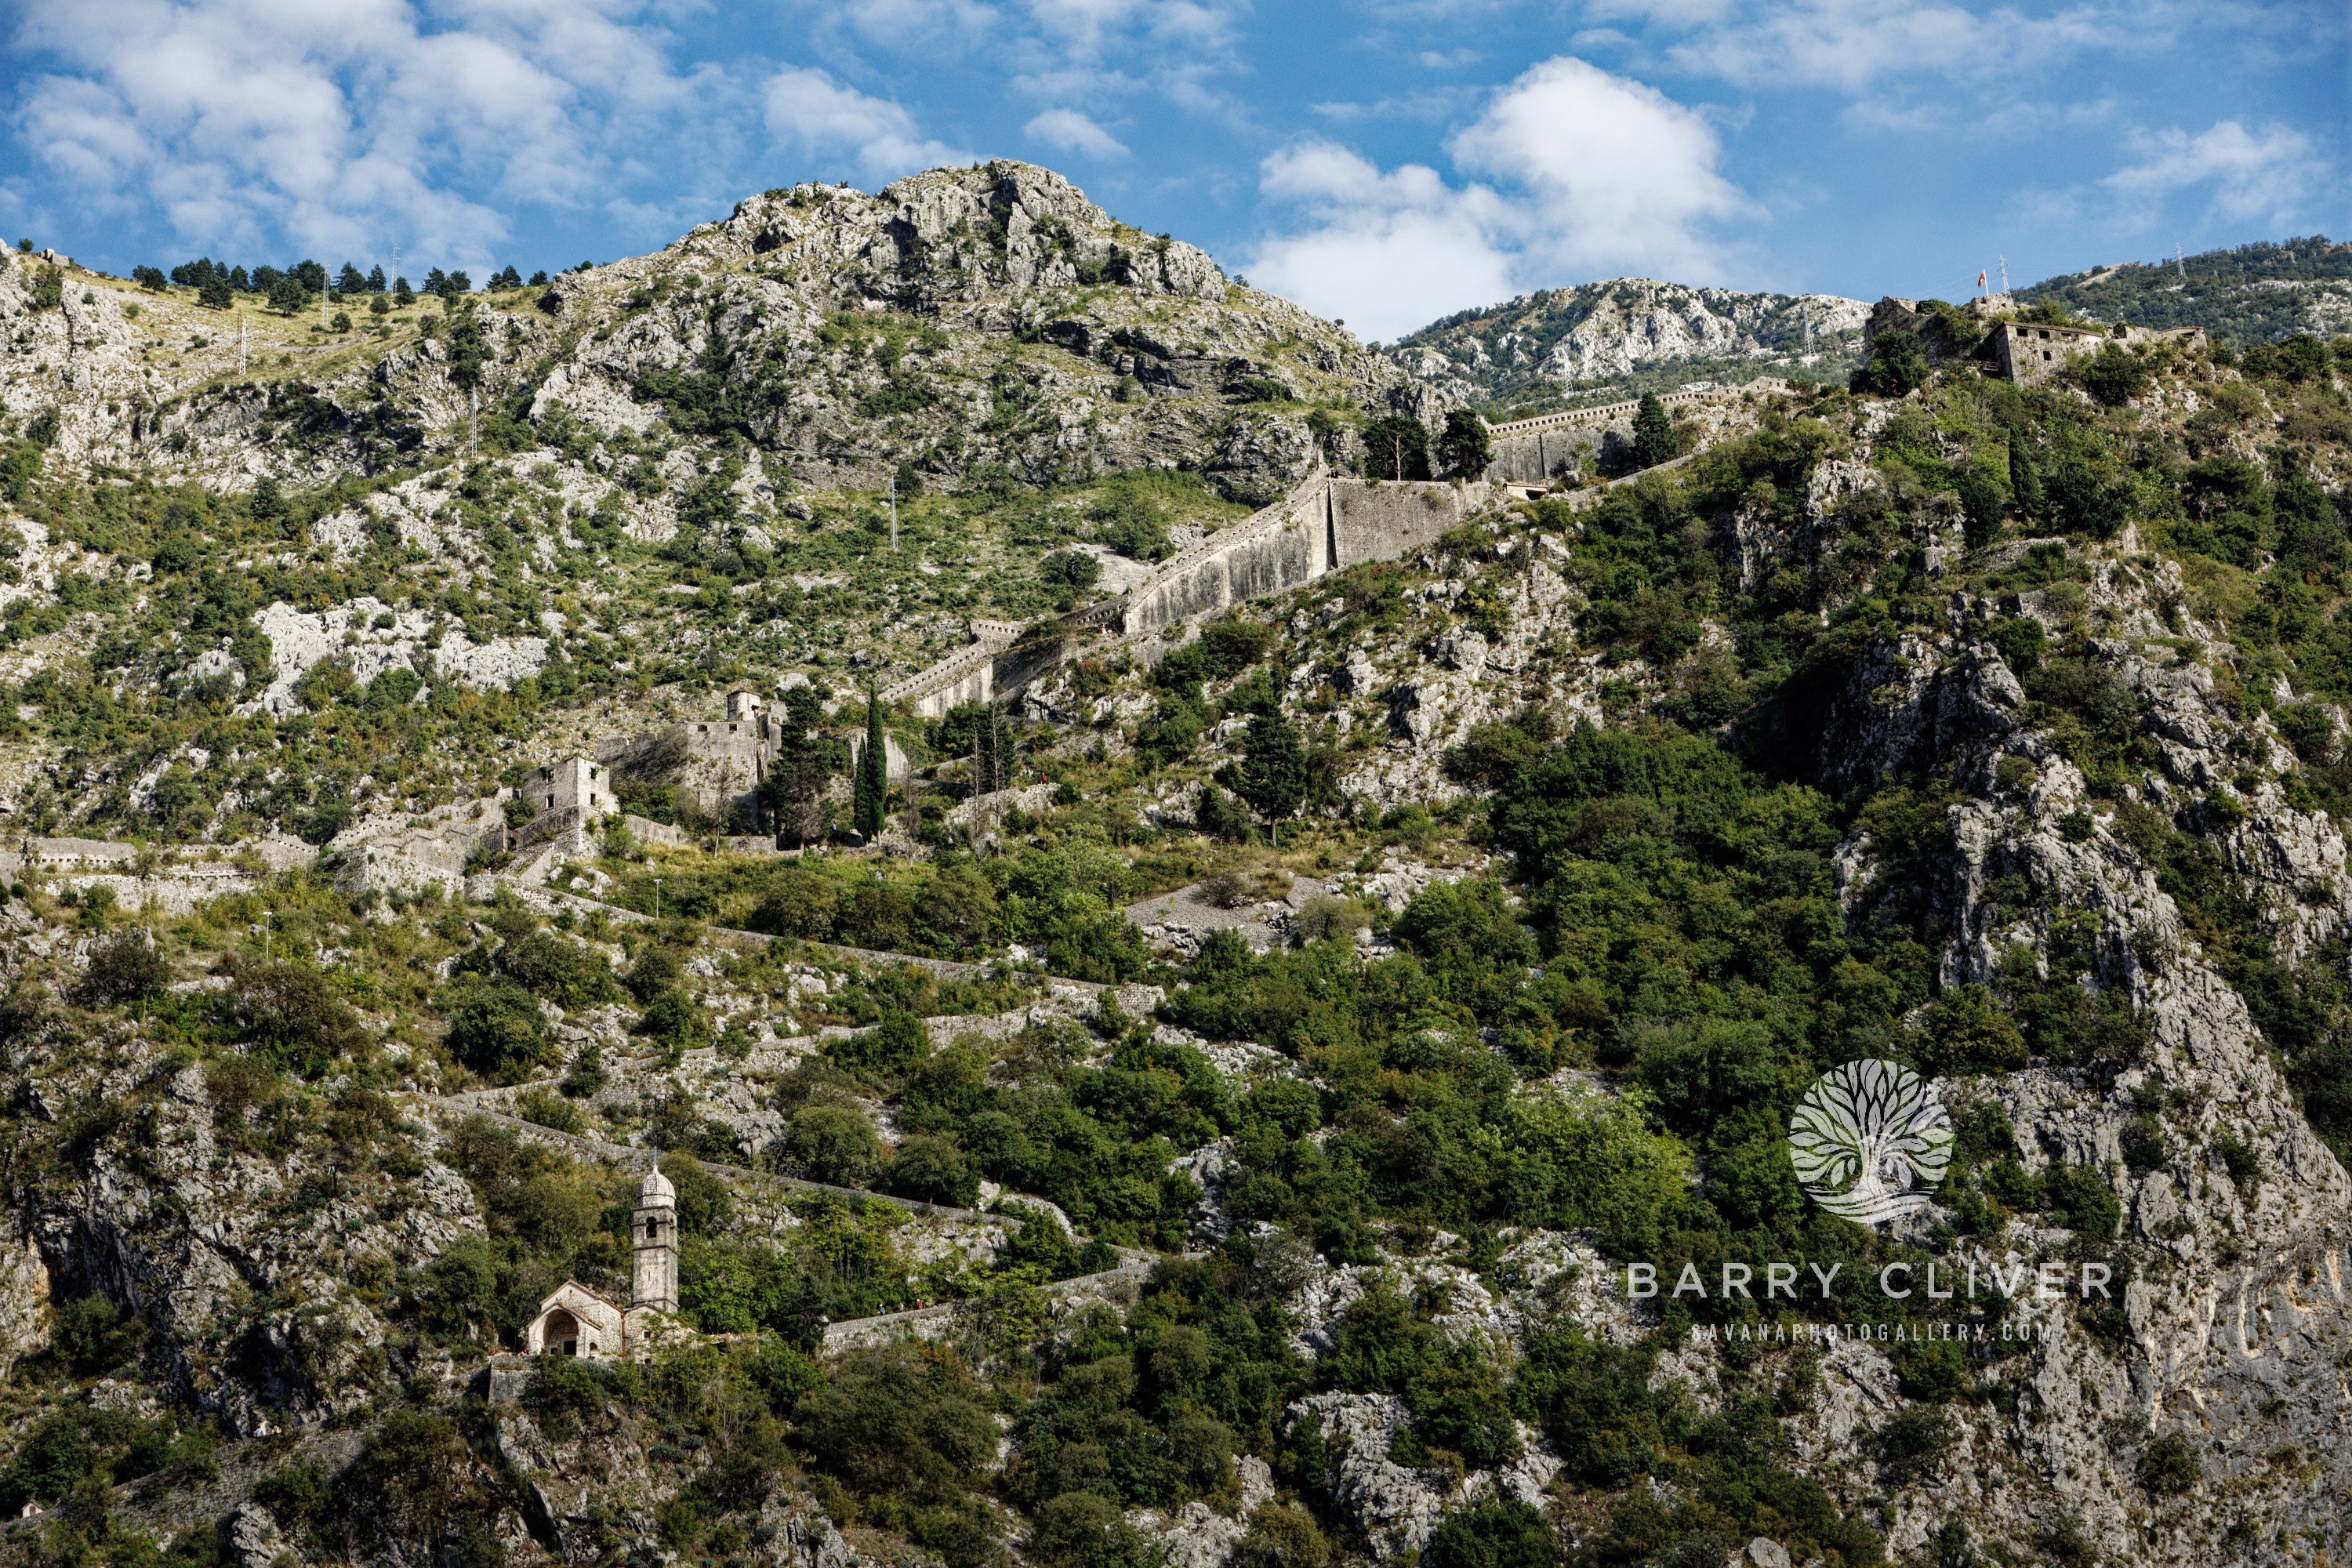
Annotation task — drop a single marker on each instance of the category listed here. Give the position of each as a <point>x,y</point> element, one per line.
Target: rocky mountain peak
<point>1603,339</point>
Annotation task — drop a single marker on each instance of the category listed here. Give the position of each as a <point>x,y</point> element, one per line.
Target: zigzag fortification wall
<point>1323,525</point>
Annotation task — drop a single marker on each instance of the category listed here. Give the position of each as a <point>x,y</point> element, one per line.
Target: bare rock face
<point>1198,1536</point>
<point>1398,1506</point>
<point>254,1540</point>
<point>24,1303</point>
<point>1562,338</point>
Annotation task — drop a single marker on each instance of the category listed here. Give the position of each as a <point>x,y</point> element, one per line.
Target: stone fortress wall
<point>1324,524</point>
<point>1540,449</point>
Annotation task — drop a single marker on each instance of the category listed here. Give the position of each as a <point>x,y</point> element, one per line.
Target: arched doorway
<point>561,1333</point>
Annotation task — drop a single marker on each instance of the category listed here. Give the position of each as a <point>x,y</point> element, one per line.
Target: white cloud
<point>1382,246</point>
<point>807,106</point>
<point>1618,172</point>
<point>342,130</point>
<point>2266,172</point>
<point>1849,45</point>
<point>1592,174</point>
<point>1071,132</point>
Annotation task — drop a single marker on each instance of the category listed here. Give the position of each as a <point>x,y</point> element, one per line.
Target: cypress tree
<point>2024,480</point>
<point>1654,433</point>
<point>872,781</point>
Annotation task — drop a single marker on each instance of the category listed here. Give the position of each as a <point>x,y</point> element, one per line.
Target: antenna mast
<point>2004,274</point>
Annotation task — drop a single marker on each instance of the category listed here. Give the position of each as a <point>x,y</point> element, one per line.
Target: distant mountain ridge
<point>2254,294</point>
<point>1627,335</point>
<point>1598,341</point>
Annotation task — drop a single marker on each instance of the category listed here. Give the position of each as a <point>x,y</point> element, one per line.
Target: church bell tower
<point>652,1246</point>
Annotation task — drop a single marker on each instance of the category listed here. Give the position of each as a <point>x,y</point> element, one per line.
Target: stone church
<point>577,1321</point>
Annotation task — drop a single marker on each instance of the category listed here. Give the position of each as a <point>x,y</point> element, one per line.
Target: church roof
<point>656,1191</point>
<point>571,1295</point>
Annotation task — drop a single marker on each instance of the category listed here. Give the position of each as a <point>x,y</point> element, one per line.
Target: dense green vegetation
<point>2219,290</point>
<point>1600,1030</point>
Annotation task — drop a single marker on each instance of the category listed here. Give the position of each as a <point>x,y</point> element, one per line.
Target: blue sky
<point>1387,163</point>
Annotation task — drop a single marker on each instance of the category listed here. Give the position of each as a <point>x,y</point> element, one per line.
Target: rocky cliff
<point>1602,341</point>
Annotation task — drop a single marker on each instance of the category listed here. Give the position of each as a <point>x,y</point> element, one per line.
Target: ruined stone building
<point>575,784</point>
<point>2025,352</point>
<point>2029,351</point>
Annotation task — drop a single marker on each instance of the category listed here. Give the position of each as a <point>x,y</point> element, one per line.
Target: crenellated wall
<point>1323,525</point>
<point>1540,449</point>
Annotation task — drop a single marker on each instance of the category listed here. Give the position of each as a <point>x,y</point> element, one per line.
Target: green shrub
<point>568,974</point>
<point>835,1143</point>
<point>2169,1466</point>
<point>410,1483</point>
<point>1282,1535</point>
<point>892,1046</point>
<point>898,1422</point>
<point>1081,1529</point>
<point>291,1015</point>
<point>1966,1032</point>
<point>2082,1199</point>
<point>933,1170</point>
<point>127,967</point>
<point>1914,1445</point>
<point>1501,1533</point>
<point>497,1029</point>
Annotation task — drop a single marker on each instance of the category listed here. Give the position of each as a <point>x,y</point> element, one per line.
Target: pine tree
<point>1654,433</point>
<point>1273,772</point>
<point>1396,447</point>
<point>466,353</point>
<point>872,792</point>
<point>1466,447</point>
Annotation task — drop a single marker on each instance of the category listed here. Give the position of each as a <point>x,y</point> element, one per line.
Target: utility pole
<point>2004,274</point>
<point>894,512</point>
<point>473,407</point>
<point>241,343</point>
<point>2178,265</point>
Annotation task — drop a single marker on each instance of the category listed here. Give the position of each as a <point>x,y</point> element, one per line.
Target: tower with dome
<point>577,1321</point>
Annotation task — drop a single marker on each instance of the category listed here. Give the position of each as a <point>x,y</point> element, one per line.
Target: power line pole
<point>2004,274</point>
<point>894,512</point>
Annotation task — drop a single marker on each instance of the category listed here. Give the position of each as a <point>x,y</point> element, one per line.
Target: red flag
<point>1980,277</point>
